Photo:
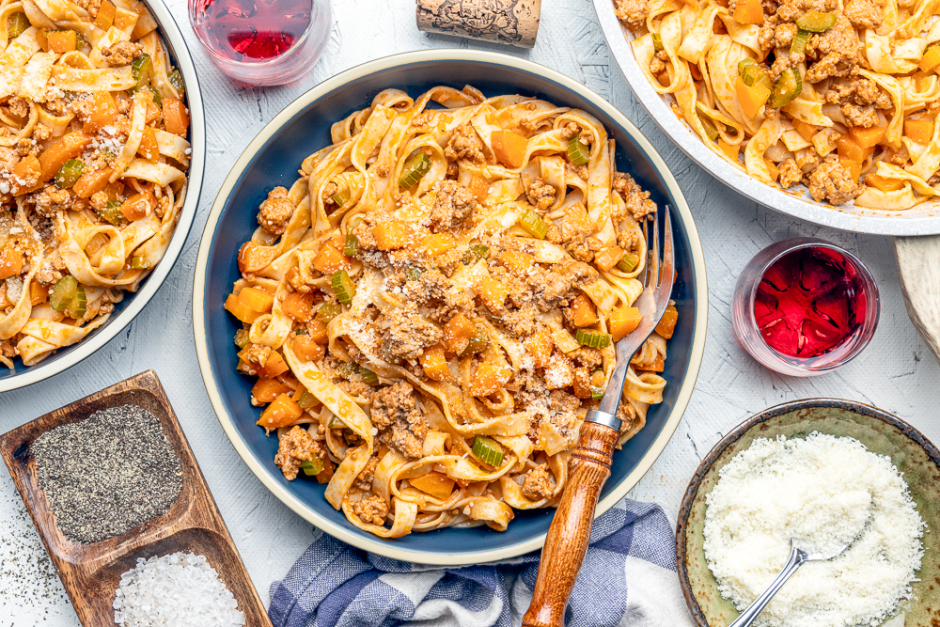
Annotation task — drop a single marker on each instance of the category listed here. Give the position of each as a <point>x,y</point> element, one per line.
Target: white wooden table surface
<point>896,372</point>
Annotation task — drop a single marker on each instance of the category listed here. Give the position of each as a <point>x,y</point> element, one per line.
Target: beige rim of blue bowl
<point>387,548</point>
<point>174,38</point>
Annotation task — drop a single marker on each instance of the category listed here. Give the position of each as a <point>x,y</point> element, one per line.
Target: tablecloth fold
<point>628,578</point>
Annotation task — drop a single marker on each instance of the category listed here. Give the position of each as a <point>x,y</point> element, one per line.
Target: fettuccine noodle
<point>93,161</point>
<point>841,96</point>
<point>431,308</point>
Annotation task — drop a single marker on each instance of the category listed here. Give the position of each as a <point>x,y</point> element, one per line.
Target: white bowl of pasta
<point>102,159</point>
<point>853,144</point>
<point>406,364</point>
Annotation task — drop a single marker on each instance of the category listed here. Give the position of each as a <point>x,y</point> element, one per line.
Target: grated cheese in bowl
<point>819,491</point>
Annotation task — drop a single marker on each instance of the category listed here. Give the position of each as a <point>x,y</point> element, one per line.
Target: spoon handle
<point>797,557</point>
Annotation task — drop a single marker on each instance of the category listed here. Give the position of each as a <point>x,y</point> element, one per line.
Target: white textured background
<point>896,372</point>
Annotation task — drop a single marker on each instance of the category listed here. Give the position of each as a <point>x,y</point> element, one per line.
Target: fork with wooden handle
<point>589,466</point>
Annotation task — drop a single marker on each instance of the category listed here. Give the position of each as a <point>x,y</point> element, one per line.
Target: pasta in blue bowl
<point>416,285</point>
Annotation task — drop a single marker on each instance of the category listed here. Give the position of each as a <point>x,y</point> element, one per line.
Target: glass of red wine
<point>262,42</point>
<point>803,307</point>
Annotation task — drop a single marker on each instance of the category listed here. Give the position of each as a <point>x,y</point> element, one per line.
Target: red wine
<point>809,302</point>
<point>252,31</point>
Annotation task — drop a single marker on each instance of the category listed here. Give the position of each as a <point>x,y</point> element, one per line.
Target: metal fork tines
<point>657,277</point>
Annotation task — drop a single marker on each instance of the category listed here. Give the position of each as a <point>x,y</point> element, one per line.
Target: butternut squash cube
<point>624,321</point>
<point>435,484</point>
<point>435,363</point>
<point>493,294</point>
<point>608,258</point>
<point>540,346</point>
<point>582,311</point>
<point>298,306</point>
<point>489,377</point>
<point>390,235</point>
<point>282,412</point>
<point>330,260</point>
<point>438,243</point>
<point>457,333</point>
<point>256,299</point>
<point>519,263</point>
<point>510,148</point>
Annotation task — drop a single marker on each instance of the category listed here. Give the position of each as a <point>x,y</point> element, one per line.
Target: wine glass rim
<point>281,59</point>
<point>861,336</point>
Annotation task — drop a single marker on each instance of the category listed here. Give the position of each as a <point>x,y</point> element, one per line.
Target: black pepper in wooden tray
<point>146,497</point>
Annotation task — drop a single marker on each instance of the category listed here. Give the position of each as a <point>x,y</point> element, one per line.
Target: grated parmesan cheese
<point>820,491</point>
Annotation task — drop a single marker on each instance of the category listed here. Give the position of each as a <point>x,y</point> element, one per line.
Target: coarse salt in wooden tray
<point>91,572</point>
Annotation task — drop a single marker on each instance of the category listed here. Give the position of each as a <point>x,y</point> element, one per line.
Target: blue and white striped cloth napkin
<point>628,578</point>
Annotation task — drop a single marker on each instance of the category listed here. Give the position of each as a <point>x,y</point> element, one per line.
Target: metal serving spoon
<point>798,557</point>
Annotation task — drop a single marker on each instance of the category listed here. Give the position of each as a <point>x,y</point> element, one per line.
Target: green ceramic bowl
<point>882,433</point>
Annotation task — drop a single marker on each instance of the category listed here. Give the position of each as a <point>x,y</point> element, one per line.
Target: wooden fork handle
<point>570,532</point>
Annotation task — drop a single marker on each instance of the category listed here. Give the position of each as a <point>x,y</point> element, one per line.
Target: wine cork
<point>514,22</point>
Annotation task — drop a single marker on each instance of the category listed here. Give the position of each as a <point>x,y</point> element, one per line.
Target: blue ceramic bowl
<point>126,310</point>
<point>274,157</point>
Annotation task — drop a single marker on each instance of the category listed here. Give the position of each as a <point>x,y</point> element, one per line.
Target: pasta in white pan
<point>431,307</point>
<point>93,161</point>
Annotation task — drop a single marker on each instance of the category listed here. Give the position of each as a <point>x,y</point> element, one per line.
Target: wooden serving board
<point>91,572</point>
<point>918,261</point>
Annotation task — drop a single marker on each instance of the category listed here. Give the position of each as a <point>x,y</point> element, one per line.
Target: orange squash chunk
<point>298,306</point>
<point>438,243</point>
<point>492,293</point>
<point>479,187</point>
<point>434,363</point>
<point>883,184</point>
<point>237,308</point>
<point>105,18</point>
<point>307,349</point>
<point>317,330</point>
<point>919,130</point>
<point>867,137</point>
<point>330,260</point>
<point>436,484</point>
<point>282,412</point>
<point>11,262</point>
<point>175,117</point>
<point>266,390</point>
<point>28,170</point>
<point>90,183</point>
<point>54,157</point>
<point>256,299</point>
<point>61,41</point>
<point>488,378</point>
<point>390,235</point>
<point>730,150</point>
<point>624,321</point>
<point>38,293</point>
<point>509,148</point>
<point>149,147</point>
<point>519,263</point>
<point>457,333</point>
<point>748,12</point>
<point>608,258</point>
<point>806,130</point>
<point>667,324</point>
<point>751,98</point>
<point>138,206</point>
<point>252,258</point>
<point>102,111</point>
<point>847,147</point>
<point>540,345</point>
<point>583,312</point>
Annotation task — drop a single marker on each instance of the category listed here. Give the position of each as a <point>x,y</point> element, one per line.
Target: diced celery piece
<point>111,212</point>
<point>578,152</point>
<point>63,292</point>
<point>307,400</point>
<point>415,167</point>
<point>487,450</point>
<point>597,393</point>
<point>351,245</point>
<point>710,129</point>
<point>368,376</point>
<point>658,43</point>
<point>16,24</point>
<point>413,273</point>
<point>241,338</point>
<point>787,87</point>
<point>816,22</point>
<point>69,173</point>
<point>312,467</point>
<point>534,224</point>
<point>592,338</point>
<point>328,311</point>
<point>176,79</point>
<point>798,43</point>
<point>343,287</point>
<point>628,263</point>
